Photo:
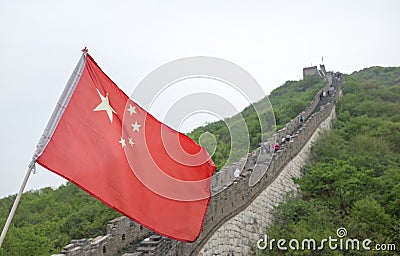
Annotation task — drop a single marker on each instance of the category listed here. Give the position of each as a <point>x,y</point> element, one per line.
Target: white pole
<point>48,132</point>
<point>14,208</point>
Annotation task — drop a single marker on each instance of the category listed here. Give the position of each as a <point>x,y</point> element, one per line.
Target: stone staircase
<point>146,247</point>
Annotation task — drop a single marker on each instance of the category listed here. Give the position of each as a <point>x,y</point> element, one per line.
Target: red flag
<point>112,148</point>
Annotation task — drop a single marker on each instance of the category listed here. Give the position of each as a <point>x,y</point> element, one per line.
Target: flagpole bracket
<point>32,166</point>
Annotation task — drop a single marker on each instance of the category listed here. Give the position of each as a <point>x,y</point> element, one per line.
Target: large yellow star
<point>105,105</point>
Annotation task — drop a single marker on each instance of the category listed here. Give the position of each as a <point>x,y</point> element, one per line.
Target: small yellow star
<point>131,109</point>
<point>136,126</point>
<point>122,141</point>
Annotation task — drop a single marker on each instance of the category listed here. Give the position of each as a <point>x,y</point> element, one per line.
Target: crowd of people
<point>289,137</point>
<point>268,149</point>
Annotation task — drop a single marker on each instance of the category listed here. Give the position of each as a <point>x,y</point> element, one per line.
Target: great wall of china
<point>239,213</point>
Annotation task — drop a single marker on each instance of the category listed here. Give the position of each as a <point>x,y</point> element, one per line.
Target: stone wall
<point>238,196</point>
<point>225,177</point>
<point>238,212</point>
<point>238,236</point>
<point>120,233</point>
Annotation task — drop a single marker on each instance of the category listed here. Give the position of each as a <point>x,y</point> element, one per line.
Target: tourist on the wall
<point>266,148</point>
<point>302,119</point>
<point>276,147</point>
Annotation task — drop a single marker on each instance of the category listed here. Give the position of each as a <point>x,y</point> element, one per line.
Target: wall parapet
<point>239,195</point>
<point>120,233</point>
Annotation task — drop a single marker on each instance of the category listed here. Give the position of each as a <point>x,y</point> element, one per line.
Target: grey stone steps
<point>133,254</point>
<point>146,249</point>
<point>155,237</point>
<point>149,243</point>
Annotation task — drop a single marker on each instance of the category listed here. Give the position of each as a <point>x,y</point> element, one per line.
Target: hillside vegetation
<point>354,178</point>
<point>47,219</point>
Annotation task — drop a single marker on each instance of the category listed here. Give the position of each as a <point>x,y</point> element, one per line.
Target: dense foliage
<point>47,219</point>
<point>354,178</point>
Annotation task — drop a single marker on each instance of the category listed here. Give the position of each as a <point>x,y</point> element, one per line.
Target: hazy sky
<point>273,40</point>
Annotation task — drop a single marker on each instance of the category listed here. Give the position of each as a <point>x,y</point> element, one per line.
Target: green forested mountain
<point>354,178</point>
<point>47,219</point>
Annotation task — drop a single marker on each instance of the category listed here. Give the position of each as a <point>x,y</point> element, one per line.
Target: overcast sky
<point>273,40</point>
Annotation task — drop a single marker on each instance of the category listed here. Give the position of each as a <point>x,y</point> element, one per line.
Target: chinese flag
<point>109,146</point>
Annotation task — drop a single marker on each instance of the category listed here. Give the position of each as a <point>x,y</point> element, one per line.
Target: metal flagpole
<point>14,207</point>
<point>48,132</point>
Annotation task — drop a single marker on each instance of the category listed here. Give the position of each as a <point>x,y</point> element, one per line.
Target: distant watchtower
<point>310,71</point>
